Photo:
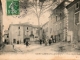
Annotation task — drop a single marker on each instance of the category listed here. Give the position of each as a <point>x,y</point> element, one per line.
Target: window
<point>77,18</point>
<point>14,40</point>
<point>19,27</point>
<point>7,36</point>
<point>60,16</point>
<point>36,36</point>
<point>27,28</point>
<point>56,18</point>
<point>54,0</point>
<point>31,32</point>
<point>77,5</point>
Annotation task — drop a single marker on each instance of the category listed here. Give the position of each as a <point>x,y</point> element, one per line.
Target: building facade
<point>19,33</point>
<point>54,27</point>
<point>74,21</point>
<point>59,19</point>
<point>45,30</point>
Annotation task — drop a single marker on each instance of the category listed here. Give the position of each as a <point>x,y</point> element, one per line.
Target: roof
<point>45,23</point>
<point>72,3</point>
<point>59,7</point>
<point>24,24</point>
<point>6,31</point>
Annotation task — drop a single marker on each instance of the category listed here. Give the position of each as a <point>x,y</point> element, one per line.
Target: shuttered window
<point>76,18</point>
<point>77,5</point>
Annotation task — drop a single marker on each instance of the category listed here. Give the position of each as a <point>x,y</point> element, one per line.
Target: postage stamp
<point>12,7</point>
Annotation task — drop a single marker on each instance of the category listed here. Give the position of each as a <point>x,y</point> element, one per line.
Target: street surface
<point>37,51</point>
<point>60,47</point>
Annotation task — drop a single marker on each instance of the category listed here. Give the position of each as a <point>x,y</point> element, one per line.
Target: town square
<point>40,27</point>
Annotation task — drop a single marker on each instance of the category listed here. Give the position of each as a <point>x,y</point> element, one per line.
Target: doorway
<point>14,40</point>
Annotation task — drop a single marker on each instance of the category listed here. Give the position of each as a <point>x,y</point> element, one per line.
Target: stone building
<point>19,33</point>
<point>59,19</point>
<point>48,27</point>
<point>45,30</point>
<point>74,21</point>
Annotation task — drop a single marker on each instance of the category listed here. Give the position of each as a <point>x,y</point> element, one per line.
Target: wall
<point>74,28</point>
<point>58,22</point>
<point>22,33</point>
<point>71,11</point>
<point>15,34</point>
<point>45,29</point>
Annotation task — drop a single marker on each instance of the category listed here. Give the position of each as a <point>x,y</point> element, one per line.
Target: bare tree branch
<point>38,8</point>
<point>48,8</point>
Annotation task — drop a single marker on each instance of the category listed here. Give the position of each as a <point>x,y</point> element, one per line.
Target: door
<point>69,38</point>
<point>14,40</point>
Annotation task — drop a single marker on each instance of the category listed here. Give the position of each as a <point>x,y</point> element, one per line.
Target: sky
<point>32,19</point>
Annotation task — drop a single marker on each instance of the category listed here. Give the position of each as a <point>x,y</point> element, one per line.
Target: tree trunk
<point>39,27</point>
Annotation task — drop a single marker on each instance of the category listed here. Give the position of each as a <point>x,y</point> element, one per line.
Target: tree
<point>38,7</point>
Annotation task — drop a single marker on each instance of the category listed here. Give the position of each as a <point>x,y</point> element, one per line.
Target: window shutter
<point>76,18</point>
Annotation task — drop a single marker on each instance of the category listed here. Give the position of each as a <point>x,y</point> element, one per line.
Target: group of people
<point>46,42</point>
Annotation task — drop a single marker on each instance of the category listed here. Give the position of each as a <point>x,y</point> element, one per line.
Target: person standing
<point>50,41</point>
<point>46,42</point>
<point>26,43</point>
<point>40,41</point>
<point>13,46</point>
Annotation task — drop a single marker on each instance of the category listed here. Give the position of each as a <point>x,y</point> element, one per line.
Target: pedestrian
<point>26,43</point>
<point>46,42</point>
<point>13,46</point>
<point>40,41</point>
<point>50,41</point>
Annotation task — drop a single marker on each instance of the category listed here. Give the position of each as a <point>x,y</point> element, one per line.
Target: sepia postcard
<point>39,29</point>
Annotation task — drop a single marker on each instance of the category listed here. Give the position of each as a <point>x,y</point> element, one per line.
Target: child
<point>13,46</point>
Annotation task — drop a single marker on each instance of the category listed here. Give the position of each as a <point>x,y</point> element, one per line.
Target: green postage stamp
<point>12,7</point>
